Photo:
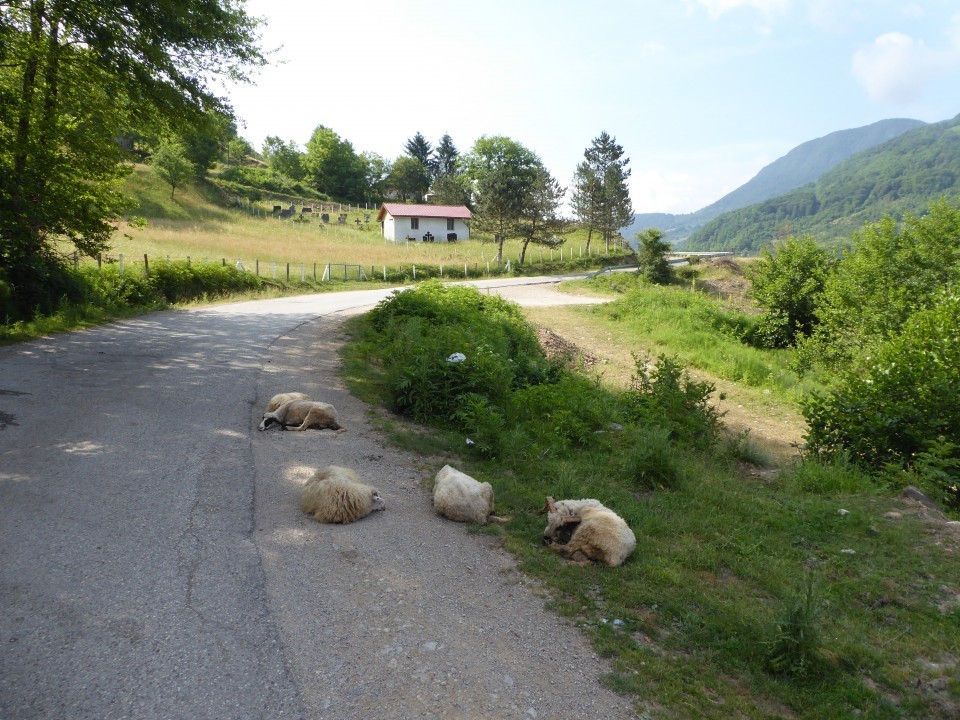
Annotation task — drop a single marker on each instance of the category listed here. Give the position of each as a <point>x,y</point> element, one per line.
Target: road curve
<point>154,563</point>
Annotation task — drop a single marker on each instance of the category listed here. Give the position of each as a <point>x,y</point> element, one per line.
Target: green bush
<point>787,282</point>
<point>180,281</point>
<point>895,410</point>
<point>665,395</point>
<point>892,271</point>
<point>422,327</point>
<point>563,414</point>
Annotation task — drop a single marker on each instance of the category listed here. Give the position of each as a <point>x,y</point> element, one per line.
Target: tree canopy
<point>74,76</point>
<point>503,173</point>
<point>333,166</point>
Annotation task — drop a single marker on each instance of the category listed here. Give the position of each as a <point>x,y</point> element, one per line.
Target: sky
<point>701,94</point>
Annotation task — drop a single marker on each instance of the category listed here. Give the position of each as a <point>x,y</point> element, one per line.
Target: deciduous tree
<point>74,76</point>
<point>540,222</point>
<point>333,167</point>
<point>502,173</point>
<point>170,162</point>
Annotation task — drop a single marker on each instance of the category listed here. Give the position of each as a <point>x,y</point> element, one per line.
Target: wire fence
<point>318,272</point>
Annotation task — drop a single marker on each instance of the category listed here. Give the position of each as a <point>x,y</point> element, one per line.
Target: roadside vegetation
<point>762,586</point>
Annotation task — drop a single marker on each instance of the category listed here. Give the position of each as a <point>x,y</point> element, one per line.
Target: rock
<point>912,493</point>
<point>893,515</point>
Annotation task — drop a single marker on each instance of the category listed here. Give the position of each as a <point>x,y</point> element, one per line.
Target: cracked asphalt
<point>154,562</point>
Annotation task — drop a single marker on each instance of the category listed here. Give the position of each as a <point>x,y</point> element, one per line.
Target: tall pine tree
<point>601,199</point>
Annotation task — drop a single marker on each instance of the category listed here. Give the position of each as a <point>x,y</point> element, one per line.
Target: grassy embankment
<point>761,587</point>
<point>193,225</point>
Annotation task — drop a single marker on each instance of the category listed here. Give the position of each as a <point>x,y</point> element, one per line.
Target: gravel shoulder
<point>403,614</point>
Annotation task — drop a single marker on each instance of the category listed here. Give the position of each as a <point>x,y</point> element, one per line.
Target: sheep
<point>281,398</point>
<point>337,495</point>
<point>302,415</point>
<point>586,531</point>
<point>459,497</point>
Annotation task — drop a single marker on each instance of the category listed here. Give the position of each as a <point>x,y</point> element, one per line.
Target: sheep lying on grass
<point>302,415</point>
<point>281,398</point>
<point>459,497</point>
<point>585,531</point>
<point>337,495</point>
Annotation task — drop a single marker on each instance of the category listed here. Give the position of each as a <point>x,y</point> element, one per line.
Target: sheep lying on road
<point>302,415</point>
<point>337,495</point>
<point>281,398</point>
<point>586,531</point>
<point>459,497</point>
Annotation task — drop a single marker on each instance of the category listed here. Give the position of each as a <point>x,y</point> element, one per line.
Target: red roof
<point>456,212</point>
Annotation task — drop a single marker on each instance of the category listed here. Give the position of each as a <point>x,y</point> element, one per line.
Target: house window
<point>450,222</point>
<point>414,223</point>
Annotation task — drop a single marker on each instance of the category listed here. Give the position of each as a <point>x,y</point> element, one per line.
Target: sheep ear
<point>549,507</point>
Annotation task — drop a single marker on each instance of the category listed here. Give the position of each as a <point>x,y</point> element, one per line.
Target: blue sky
<point>700,93</point>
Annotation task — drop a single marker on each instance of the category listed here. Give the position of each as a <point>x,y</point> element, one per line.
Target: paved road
<point>148,564</point>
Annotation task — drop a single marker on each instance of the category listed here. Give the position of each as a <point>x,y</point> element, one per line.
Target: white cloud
<point>767,8</point>
<point>896,68</point>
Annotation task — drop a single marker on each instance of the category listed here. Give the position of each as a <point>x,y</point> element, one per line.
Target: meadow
<point>200,224</point>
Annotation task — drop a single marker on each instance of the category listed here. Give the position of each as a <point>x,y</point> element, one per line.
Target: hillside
<point>802,165</point>
<point>898,177</point>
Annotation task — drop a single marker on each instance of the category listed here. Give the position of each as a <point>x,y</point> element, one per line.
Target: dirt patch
<point>558,348</point>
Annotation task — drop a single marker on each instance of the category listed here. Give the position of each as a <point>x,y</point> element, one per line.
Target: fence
<point>320,272</point>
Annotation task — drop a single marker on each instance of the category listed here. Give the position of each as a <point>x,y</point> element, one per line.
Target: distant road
<point>133,583</point>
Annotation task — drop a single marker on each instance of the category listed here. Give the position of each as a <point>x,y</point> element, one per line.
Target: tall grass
<point>699,331</point>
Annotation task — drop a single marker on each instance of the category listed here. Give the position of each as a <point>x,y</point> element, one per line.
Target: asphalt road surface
<point>154,562</point>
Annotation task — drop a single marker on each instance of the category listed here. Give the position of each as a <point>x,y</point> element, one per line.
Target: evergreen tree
<point>601,199</point>
<point>420,149</point>
<point>652,252</point>
<point>446,157</point>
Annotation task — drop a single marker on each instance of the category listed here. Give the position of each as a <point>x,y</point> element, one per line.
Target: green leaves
<point>787,282</point>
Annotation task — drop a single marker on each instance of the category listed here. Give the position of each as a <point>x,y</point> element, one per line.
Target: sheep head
<point>560,523</point>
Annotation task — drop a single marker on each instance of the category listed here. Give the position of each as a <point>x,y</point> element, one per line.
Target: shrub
<point>665,395</point>
<point>891,272</point>
<point>895,410</point>
<point>787,282</point>
<point>179,281</point>
<point>422,327</point>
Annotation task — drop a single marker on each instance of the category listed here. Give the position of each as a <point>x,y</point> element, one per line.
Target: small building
<point>430,223</point>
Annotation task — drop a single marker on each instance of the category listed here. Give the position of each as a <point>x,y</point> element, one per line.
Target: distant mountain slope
<point>802,165</point>
<point>900,176</point>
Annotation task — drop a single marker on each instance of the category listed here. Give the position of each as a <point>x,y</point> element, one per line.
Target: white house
<point>433,223</point>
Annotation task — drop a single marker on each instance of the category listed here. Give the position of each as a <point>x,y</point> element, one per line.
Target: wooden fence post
<point>146,266</point>
<point>288,272</point>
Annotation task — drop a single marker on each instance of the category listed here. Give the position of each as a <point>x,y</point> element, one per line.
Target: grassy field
<point>194,225</point>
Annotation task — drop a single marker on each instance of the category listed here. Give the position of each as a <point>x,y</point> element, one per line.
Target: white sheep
<point>302,415</point>
<point>459,497</point>
<point>281,398</point>
<point>337,495</point>
<point>586,531</point>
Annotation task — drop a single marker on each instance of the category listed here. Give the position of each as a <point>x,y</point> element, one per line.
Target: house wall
<point>399,228</point>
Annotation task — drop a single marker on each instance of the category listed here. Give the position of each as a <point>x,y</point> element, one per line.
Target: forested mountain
<point>802,165</point>
<point>900,176</point>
